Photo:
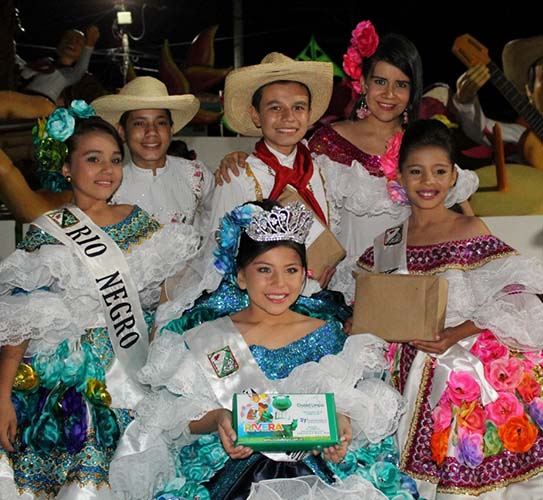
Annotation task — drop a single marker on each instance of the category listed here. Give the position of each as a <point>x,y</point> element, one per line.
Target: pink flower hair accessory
<point>389,166</point>
<point>364,42</point>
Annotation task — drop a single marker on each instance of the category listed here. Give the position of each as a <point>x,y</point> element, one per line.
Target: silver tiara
<point>291,223</point>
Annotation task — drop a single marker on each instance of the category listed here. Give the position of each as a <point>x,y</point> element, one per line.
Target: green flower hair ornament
<point>49,139</point>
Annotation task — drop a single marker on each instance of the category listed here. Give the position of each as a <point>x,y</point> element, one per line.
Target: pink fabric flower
<point>505,407</point>
<point>389,161</point>
<point>352,64</point>
<point>365,39</point>
<point>461,387</point>
<point>442,415</point>
<point>487,348</point>
<point>364,42</point>
<point>505,374</point>
<point>528,388</point>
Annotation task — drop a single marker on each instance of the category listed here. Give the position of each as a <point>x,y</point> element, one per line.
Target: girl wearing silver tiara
<point>75,300</point>
<point>182,443</point>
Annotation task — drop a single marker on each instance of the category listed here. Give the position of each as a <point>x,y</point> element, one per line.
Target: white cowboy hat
<point>242,83</point>
<point>517,57</point>
<point>146,92</point>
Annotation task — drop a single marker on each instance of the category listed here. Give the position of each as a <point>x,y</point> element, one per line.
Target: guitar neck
<point>519,102</point>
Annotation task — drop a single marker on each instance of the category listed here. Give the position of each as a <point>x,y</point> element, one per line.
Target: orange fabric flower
<point>528,388</point>
<point>439,444</point>
<point>518,434</point>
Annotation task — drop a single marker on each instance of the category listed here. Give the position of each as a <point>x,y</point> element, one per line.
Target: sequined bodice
<point>326,141</point>
<point>131,230</point>
<point>278,363</point>
<point>459,254</point>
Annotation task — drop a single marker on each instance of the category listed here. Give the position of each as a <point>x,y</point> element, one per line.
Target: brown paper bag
<point>323,249</point>
<point>400,307</point>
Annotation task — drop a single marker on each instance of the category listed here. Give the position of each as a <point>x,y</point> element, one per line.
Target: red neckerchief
<point>297,177</point>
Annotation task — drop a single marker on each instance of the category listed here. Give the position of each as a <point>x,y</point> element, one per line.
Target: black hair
<point>257,96</point>
<point>92,124</point>
<point>250,249</point>
<point>531,74</point>
<point>124,117</point>
<point>422,133</point>
<point>397,50</point>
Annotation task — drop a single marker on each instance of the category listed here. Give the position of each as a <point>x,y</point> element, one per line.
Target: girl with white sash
<point>473,426</point>
<point>181,444</point>
<point>73,301</point>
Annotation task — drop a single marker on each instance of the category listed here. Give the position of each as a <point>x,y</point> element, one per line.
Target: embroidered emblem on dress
<point>393,236</point>
<point>63,218</point>
<point>223,362</point>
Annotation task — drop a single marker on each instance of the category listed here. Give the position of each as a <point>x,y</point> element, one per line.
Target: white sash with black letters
<point>107,264</point>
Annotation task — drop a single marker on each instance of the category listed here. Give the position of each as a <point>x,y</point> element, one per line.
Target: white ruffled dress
<point>159,456</point>
<point>73,401</point>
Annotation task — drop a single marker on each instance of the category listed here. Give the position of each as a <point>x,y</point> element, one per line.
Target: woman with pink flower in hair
<point>474,424</point>
<point>386,74</point>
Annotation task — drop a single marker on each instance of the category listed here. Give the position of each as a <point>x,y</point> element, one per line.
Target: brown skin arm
<point>447,338</point>
<point>24,203</point>
<point>10,358</point>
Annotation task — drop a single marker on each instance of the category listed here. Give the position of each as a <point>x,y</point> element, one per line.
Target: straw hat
<point>518,56</point>
<point>241,84</point>
<point>146,92</point>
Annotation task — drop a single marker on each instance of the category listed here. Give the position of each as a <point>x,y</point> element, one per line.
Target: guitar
<point>471,53</point>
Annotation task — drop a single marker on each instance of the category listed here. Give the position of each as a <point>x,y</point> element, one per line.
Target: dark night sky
<point>287,28</point>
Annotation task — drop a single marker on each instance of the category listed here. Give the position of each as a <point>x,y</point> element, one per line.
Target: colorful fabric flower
<point>518,434</point>
<point>364,43</point>
<point>81,109</point>
<point>491,439</point>
<point>535,410</point>
<point>442,415</point>
<point>487,348</point>
<point>49,136</point>
<point>528,389</point>
<point>472,417</point>
<point>505,374</point>
<point>60,124</point>
<point>461,387</point>
<point>504,408</point>
<point>228,235</point>
<point>469,449</point>
<point>439,444</point>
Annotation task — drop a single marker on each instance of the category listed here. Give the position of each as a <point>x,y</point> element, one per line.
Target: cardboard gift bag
<point>323,249</point>
<point>400,307</point>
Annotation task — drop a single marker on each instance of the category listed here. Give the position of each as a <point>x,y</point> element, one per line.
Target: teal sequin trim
<point>138,226</point>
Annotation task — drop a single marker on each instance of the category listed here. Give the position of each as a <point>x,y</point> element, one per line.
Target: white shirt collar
<point>285,160</point>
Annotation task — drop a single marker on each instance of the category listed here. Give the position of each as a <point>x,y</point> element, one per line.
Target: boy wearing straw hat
<point>277,100</point>
<point>523,66</point>
<point>172,189</point>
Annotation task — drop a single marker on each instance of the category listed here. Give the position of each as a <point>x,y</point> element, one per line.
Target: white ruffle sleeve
<point>61,300</point>
<point>500,296</point>
<point>357,191</point>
